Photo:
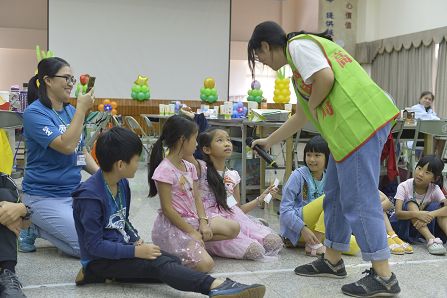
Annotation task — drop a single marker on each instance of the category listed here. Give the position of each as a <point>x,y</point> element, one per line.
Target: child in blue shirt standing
<point>110,245</point>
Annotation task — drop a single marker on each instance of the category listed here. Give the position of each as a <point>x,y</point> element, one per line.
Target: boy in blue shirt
<point>110,245</point>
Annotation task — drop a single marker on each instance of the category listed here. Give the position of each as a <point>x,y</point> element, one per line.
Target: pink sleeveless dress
<point>166,235</point>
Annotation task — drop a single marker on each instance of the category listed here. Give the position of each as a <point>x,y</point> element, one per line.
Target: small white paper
<point>268,198</point>
<point>231,201</point>
<point>276,183</point>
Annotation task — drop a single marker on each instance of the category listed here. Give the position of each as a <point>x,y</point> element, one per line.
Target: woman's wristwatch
<point>28,214</point>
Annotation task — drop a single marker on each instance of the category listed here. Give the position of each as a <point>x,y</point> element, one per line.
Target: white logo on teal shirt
<point>47,131</point>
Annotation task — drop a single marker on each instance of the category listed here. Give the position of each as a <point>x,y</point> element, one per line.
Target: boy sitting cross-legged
<point>110,245</point>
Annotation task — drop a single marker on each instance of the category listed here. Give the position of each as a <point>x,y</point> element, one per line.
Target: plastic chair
<point>117,120</point>
<point>149,125</point>
<point>138,130</point>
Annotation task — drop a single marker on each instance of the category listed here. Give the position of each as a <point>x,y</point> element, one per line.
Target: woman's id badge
<point>80,159</point>
<point>231,201</point>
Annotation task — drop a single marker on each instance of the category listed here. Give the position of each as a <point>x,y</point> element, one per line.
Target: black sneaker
<point>232,289</point>
<point>10,285</point>
<point>372,285</point>
<point>83,278</point>
<point>322,267</point>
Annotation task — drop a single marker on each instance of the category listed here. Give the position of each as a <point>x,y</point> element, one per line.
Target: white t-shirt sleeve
<point>437,195</point>
<point>307,57</point>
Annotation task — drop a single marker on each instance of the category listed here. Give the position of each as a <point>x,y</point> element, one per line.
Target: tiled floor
<point>47,273</point>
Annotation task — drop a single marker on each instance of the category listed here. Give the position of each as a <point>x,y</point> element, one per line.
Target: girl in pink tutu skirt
<point>219,188</point>
<point>182,227</point>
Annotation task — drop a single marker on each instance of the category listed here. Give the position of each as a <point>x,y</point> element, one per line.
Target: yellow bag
<point>6,156</point>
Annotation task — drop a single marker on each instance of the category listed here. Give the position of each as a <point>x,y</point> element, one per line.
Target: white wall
<point>23,25</point>
<point>292,15</point>
<point>20,63</point>
<point>176,43</point>
<point>379,19</point>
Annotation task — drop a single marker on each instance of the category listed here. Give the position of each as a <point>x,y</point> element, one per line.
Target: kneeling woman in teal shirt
<point>55,155</point>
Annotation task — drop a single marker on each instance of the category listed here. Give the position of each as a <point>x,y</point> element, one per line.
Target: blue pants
<point>405,229</point>
<point>53,218</point>
<point>352,204</point>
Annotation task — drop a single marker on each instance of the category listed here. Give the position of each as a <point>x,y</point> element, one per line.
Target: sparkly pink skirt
<point>253,233</point>
<point>174,241</point>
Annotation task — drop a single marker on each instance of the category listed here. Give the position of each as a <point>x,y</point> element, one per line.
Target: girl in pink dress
<point>182,226</point>
<point>219,188</point>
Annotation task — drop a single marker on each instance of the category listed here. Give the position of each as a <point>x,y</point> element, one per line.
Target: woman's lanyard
<point>60,118</point>
<point>80,159</point>
<point>120,206</point>
<point>414,196</point>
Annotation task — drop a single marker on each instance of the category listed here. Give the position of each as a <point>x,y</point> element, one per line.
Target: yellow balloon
<point>106,101</point>
<point>209,83</point>
<point>281,98</point>
<point>285,92</point>
<point>141,80</point>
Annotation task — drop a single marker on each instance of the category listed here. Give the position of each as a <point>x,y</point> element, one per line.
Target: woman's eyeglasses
<point>69,79</point>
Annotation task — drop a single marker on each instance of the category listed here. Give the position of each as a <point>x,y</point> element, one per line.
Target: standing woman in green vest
<point>354,116</point>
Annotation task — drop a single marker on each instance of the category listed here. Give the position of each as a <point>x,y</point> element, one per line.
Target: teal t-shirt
<point>48,172</point>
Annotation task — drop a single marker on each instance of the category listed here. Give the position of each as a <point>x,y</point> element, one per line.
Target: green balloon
<point>202,90</point>
<point>207,92</point>
<point>141,95</point>
<point>135,87</point>
<point>213,91</point>
<point>203,97</point>
<point>212,98</point>
<point>78,88</point>
<point>251,98</point>
<point>258,99</point>
<point>144,88</point>
<point>134,95</point>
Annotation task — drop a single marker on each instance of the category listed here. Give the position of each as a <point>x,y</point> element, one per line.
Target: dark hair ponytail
<point>174,129</point>
<point>215,180</point>
<point>324,34</point>
<point>274,35</point>
<point>33,93</point>
<point>47,67</point>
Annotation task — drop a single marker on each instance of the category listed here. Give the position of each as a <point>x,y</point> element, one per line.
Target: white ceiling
<point>24,14</point>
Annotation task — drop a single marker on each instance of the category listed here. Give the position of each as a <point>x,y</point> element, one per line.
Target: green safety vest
<point>355,108</point>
